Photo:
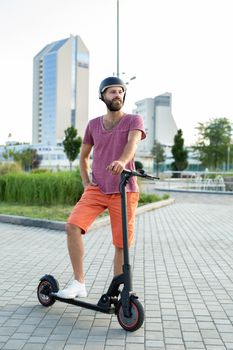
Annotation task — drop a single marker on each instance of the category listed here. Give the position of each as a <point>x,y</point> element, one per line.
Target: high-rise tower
<point>60,90</point>
<point>159,122</point>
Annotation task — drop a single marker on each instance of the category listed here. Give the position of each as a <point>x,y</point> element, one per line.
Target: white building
<point>159,125</point>
<point>51,157</point>
<point>158,121</point>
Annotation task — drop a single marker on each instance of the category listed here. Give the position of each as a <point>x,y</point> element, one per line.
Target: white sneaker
<point>75,289</point>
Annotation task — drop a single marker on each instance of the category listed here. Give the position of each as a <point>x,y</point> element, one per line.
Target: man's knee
<point>72,229</point>
<point>118,250</point>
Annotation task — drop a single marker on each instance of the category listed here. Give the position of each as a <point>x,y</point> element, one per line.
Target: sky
<point>179,46</point>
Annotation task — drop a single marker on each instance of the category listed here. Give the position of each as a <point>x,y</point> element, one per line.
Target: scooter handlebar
<point>140,173</point>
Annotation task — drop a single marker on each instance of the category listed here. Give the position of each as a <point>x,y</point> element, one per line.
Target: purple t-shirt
<point>108,146</point>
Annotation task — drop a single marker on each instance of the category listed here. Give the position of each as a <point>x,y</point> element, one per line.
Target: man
<point>113,138</point>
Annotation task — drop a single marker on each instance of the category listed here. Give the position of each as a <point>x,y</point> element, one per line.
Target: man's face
<point>113,98</point>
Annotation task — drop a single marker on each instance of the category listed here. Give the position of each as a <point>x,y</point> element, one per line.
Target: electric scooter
<point>124,303</point>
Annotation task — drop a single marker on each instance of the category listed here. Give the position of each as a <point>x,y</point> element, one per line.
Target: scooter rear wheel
<point>47,285</point>
<point>136,318</point>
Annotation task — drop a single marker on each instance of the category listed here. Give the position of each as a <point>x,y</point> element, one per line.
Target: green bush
<point>7,168</point>
<point>41,188</point>
<point>49,188</point>
<point>138,165</point>
<point>150,198</point>
<point>41,170</point>
<point>2,188</point>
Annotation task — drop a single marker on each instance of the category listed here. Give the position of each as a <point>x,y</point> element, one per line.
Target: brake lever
<point>152,177</point>
<point>143,173</point>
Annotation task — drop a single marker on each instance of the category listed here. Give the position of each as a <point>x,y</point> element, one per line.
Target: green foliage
<point>7,154</point>
<point>158,154</point>
<point>138,165</point>
<point>72,144</point>
<point>28,158</point>
<point>60,212</point>
<point>150,198</point>
<point>6,168</point>
<point>2,188</point>
<point>49,189</point>
<point>41,188</point>
<point>41,170</point>
<point>214,142</point>
<point>52,212</point>
<point>180,154</point>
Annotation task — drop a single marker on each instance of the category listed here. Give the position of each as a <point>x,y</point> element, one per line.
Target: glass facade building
<point>60,90</point>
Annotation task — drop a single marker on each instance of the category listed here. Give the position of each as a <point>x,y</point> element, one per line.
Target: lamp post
<point>118,46</point>
<point>130,79</point>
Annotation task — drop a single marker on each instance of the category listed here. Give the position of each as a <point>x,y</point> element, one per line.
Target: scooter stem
<point>124,179</point>
<point>126,266</point>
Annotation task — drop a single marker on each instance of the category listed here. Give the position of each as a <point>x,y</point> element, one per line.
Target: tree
<point>180,154</point>
<point>214,142</point>
<point>138,165</point>
<point>36,159</point>
<point>7,153</point>
<point>158,155</point>
<point>72,144</point>
<point>28,158</point>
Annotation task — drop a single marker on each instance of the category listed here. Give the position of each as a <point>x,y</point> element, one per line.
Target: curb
<point>60,225</point>
<point>230,193</point>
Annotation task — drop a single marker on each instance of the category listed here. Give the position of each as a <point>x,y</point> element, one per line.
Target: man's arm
<point>84,163</point>
<point>116,166</point>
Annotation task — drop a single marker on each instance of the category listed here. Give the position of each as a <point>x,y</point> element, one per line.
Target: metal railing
<point>220,182</point>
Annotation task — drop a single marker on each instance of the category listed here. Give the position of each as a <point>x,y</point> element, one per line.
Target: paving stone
<point>14,344</point>
<point>33,346</point>
<point>182,262</point>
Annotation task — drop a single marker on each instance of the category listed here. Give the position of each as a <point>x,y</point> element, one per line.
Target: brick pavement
<point>182,271</point>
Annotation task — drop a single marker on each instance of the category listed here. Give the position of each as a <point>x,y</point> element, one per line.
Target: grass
<point>55,212</point>
<point>58,212</point>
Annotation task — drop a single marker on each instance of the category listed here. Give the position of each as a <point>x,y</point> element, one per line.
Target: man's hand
<point>86,184</point>
<point>116,167</point>
<point>89,183</point>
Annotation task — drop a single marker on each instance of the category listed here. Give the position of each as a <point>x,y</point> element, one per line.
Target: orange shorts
<point>93,202</point>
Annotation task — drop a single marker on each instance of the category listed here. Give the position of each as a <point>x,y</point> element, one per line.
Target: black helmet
<point>111,81</point>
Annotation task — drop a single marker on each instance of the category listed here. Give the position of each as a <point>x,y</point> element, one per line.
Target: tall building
<point>60,90</point>
<point>158,121</point>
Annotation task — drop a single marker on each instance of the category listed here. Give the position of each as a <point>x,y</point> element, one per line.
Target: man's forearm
<point>84,171</point>
<point>128,152</point>
<point>118,165</point>
<point>84,163</point>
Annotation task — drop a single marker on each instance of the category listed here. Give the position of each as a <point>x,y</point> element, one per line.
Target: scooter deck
<point>77,302</point>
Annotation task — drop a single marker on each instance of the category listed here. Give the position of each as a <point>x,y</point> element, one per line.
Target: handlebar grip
<point>152,177</point>
<point>140,173</point>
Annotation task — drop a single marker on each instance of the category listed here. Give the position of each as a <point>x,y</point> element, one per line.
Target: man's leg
<point>91,204</point>
<point>76,251</point>
<point>116,217</point>
<point>118,261</point>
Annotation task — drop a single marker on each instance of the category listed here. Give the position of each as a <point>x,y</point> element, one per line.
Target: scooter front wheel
<point>136,318</point>
<point>47,285</point>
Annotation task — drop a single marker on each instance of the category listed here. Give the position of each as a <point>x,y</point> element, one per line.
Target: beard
<point>114,105</point>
